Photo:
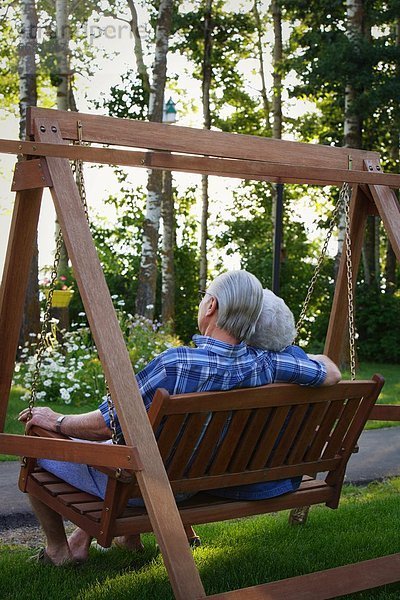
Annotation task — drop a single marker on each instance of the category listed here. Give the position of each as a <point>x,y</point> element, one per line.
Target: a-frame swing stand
<point>46,164</point>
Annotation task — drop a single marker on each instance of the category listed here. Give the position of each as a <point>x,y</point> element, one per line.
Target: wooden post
<point>361,207</point>
<point>13,287</point>
<point>153,480</point>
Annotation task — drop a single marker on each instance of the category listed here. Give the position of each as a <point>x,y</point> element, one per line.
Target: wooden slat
<point>55,489</point>
<point>208,445</point>
<point>140,134</point>
<point>231,440</point>
<point>16,269</point>
<point>256,169</point>
<point>169,434</point>
<point>307,434</point>
<point>274,394</point>
<point>85,508</point>
<point>331,583</point>
<point>211,508</point>
<point>285,443</point>
<point>92,453</point>
<point>335,442</point>
<point>77,498</point>
<point>269,438</point>
<point>250,440</point>
<point>227,479</point>
<point>187,445</point>
<point>324,431</point>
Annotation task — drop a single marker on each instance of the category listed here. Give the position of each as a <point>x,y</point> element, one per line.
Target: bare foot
<point>129,542</point>
<point>79,543</point>
<point>57,556</point>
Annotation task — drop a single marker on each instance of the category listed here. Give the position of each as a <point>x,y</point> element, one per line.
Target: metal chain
<point>42,343</point>
<point>318,267</point>
<point>349,273</point>
<point>80,182</point>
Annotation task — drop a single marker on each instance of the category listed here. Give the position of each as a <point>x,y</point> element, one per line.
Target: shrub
<point>71,370</point>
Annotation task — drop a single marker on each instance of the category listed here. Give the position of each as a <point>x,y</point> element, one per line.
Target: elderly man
<point>221,360</point>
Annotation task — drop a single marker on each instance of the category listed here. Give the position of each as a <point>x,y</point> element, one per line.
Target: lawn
<point>234,554</point>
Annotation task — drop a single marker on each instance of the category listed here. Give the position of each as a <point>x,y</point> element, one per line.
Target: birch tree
<point>352,130</point>
<point>28,97</point>
<point>206,86</point>
<point>146,293</point>
<point>167,256</point>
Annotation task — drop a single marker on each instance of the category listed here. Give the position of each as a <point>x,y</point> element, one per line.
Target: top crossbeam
<point>158,146</point>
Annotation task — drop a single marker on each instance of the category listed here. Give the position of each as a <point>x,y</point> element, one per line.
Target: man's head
<point>234,301</point>
<point>275,327</point>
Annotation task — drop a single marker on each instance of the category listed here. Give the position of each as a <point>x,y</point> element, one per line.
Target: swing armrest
<point>122,475</point>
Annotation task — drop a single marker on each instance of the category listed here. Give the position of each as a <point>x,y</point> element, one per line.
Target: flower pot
<point>61,298</point>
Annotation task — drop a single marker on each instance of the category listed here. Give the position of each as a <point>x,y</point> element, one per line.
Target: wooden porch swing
<point>322,425</point>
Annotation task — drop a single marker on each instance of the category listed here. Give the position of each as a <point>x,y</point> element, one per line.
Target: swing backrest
<point>212,440</point>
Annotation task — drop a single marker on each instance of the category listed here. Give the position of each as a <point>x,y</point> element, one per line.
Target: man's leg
<point>57,548</point>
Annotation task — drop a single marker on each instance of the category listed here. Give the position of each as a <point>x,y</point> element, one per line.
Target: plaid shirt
<point>215,365</point>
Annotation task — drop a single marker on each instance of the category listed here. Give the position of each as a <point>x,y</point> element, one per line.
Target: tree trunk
<point>146,293</point>
<point>277,189</point>
<point>390,259</point>
<point>264,94</point>
<point>28,97</point>
<point>168,267</point>
<point>63,103</point>
<point>138,49</point>
<point>206,86</point>
<point>352,120</point>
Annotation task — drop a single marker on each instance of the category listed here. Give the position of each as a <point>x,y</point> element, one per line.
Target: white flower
<point>65,395</point>
<point>47,382</point>
<point>71,376</point>
<point>41,395</point>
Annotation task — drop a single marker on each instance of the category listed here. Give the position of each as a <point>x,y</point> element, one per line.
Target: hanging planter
<point>61,298</point>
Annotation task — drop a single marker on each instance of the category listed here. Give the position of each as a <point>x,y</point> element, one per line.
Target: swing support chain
<point>77,168</point>
<point>343,205</point>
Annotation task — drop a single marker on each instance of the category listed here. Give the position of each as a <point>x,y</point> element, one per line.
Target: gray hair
<point>275,327</point>
<point>240,296</point>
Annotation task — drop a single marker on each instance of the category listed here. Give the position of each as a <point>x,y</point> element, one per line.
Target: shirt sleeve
<point>297,367</point>
<point>149,379</point>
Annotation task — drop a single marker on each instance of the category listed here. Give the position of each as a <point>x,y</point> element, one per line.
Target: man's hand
<point>333,374</point>
<point>42,416</point>
<point>89,426</point>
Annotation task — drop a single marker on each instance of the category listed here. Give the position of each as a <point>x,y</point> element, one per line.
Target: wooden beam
<point>275,171</point>
<point>153,480</point>
<point>92,453</point>
<point>388,208</point>
<point>30,174</point>
<point>13,287</point>
<point>322,585</point>
<point>158,136</point>
<point>385,412</point>
<point>361,206</point>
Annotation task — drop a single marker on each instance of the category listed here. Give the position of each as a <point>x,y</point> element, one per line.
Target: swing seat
<point>213,440</point>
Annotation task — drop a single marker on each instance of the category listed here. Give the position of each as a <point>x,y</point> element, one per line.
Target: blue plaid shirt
<point>215,365</point>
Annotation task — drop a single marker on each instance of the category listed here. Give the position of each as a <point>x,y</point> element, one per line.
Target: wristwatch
<point>58,423</point>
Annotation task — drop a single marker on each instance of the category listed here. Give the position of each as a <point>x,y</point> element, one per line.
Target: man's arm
<point>333,374</point>
<point>89,426</point>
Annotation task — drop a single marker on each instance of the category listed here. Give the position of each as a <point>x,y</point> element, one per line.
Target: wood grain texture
<point>157,136</point>
<point>239,168</point>
<point>115,360</point>
<point>13,286</point>
<point>323,585</point>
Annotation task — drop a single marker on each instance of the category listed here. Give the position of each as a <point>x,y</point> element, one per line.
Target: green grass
<point>234,554</point>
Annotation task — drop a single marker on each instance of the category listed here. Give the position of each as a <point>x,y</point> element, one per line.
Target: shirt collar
<point>218,347</point>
